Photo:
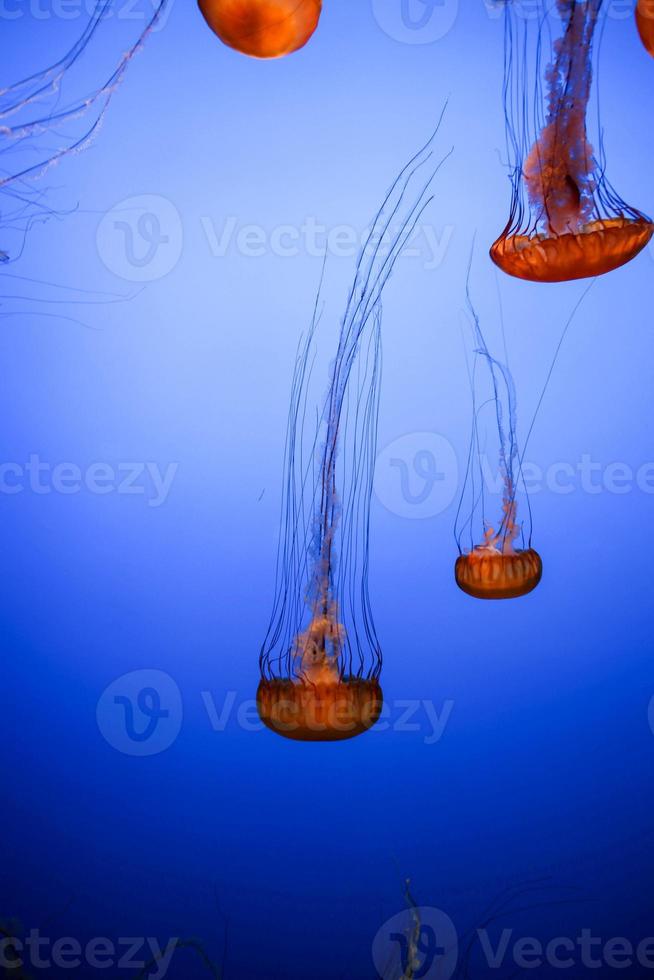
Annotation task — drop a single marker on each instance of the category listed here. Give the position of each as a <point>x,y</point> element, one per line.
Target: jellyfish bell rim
<point>252,44</point>
<point>506,584</point>
<point>604,245</point>
<point>304,712</point>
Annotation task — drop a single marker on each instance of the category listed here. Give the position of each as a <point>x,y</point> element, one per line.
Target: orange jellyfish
<point>566,221</point>
<point>320,679</point>
<point>321,659</point>
<point>263,28</point>
<point>503,565</point>
<point>496,569</point>
<point>645,23</point>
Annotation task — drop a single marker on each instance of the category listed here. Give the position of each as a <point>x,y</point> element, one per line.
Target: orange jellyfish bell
<point>489,574</point>
<point>263,28</point>
<point>566,221</point>
<point>594,249</point>
<point>319,712</point>
<point>645,23</point>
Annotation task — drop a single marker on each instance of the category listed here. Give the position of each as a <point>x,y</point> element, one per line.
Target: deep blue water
<point>543,769</point>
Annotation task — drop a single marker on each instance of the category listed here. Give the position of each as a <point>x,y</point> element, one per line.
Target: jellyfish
<point>263,28</point>
<point>645,23</point>
<point>566,220</point>
<point>503,565</point>
<point>321,658</point>
<point>40,126</point>
<point>495,569</point>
